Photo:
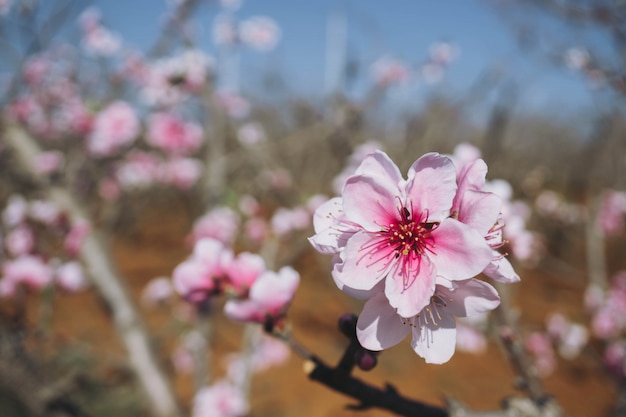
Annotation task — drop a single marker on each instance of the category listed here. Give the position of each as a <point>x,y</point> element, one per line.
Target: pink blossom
<point>49,162</point>
<point>243,271</point>
<point>469,339</point>
<point>442,53</point>
<point>71,277</point>
<point>44,211</point>
<point>15,211</point>
<point>20,241</point>
<point>221,399</point>
<point>249,205</point>
<point>114,127</point>
<point>171,134</point>
<point>233,104</point>
<point>268,352</point>
<point>202,274</point>
<point>181,172</point>
<point>268,298</point>
<point>278,179</point>
<point>138,170</point>
<point>615,358</point>
<point>612,212</point>
<point>387,71</point>
<point>221,223</point>
<point>183,360</point>
<point>285,221</point>
<point>28,270</point>
<point>256,229</point>
<point>540,347</point>
<point>109,189</point>
<point>157,291</point>
<point>260,33</point>
<point>101,42</point>
<point>77,234</point>
<point>250,134</point>
<point>396,235</point>
<point>434,328</point>
<point>480,210</point>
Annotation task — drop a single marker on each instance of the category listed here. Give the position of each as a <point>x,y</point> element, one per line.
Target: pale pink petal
<point>460,252</point>
<point>378,164</point>
<point>432,186</point>
<point>479,210</point>
<point>409,298</point>
<point>359,294</point>
<point>368,202</point>
<point>362,270</point>
<point>274,291</point>
<point>246,310</point>
<point>501,270</point>
<point>379,327</point>
<point>435,342</point>
<point>469,298</point>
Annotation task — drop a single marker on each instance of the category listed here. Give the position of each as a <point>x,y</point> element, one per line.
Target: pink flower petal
<point>379,327</point>
<point>378,164</point>
<point>435,342</point>
<point>432,186</point>
<point>469,298</point>
<point>479,210</point>
<point>409,298</point>
<point>360,270</point>
<point>368,202</point>
<point>501,270</point>
<point>460,252</point>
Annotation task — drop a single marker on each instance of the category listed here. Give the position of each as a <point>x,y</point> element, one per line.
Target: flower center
<point>401,244</point>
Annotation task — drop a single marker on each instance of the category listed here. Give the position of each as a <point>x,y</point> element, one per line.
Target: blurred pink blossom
<point>15,211</point>
<point>115,126</point>
<point>28,270</point>
<point>256,229</point>
<point>243,271</point>
<point>470,340</point>
<point>20,241</point>
<point>222,399</point>
<point>259,32</point>
<point>139,169</point>
<point>249,206</point>
<point>181,172</point>
<point>44,211</point>
<point>388,71</point>
<point>77,234</point>
<point>250,134</point>
<point>615,358</point>
<point>285,221</point>
<point>612,212</point>
<point>540,347</point>
<point>49,162</point>
<point>101,42</point>
<point>221,223</point>
<point>171,134</point>
<point>269,297</point>
<point>233,104</point>
<point>158,290</point>
<point>71,277</point>
<point>201,275</point>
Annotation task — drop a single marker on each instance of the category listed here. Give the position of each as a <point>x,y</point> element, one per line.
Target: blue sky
<point>402,28</point>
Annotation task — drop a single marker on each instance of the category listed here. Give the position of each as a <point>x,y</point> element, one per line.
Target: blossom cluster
<point>24,263</point>
<point>255,293</point>
<point>413,248</point>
